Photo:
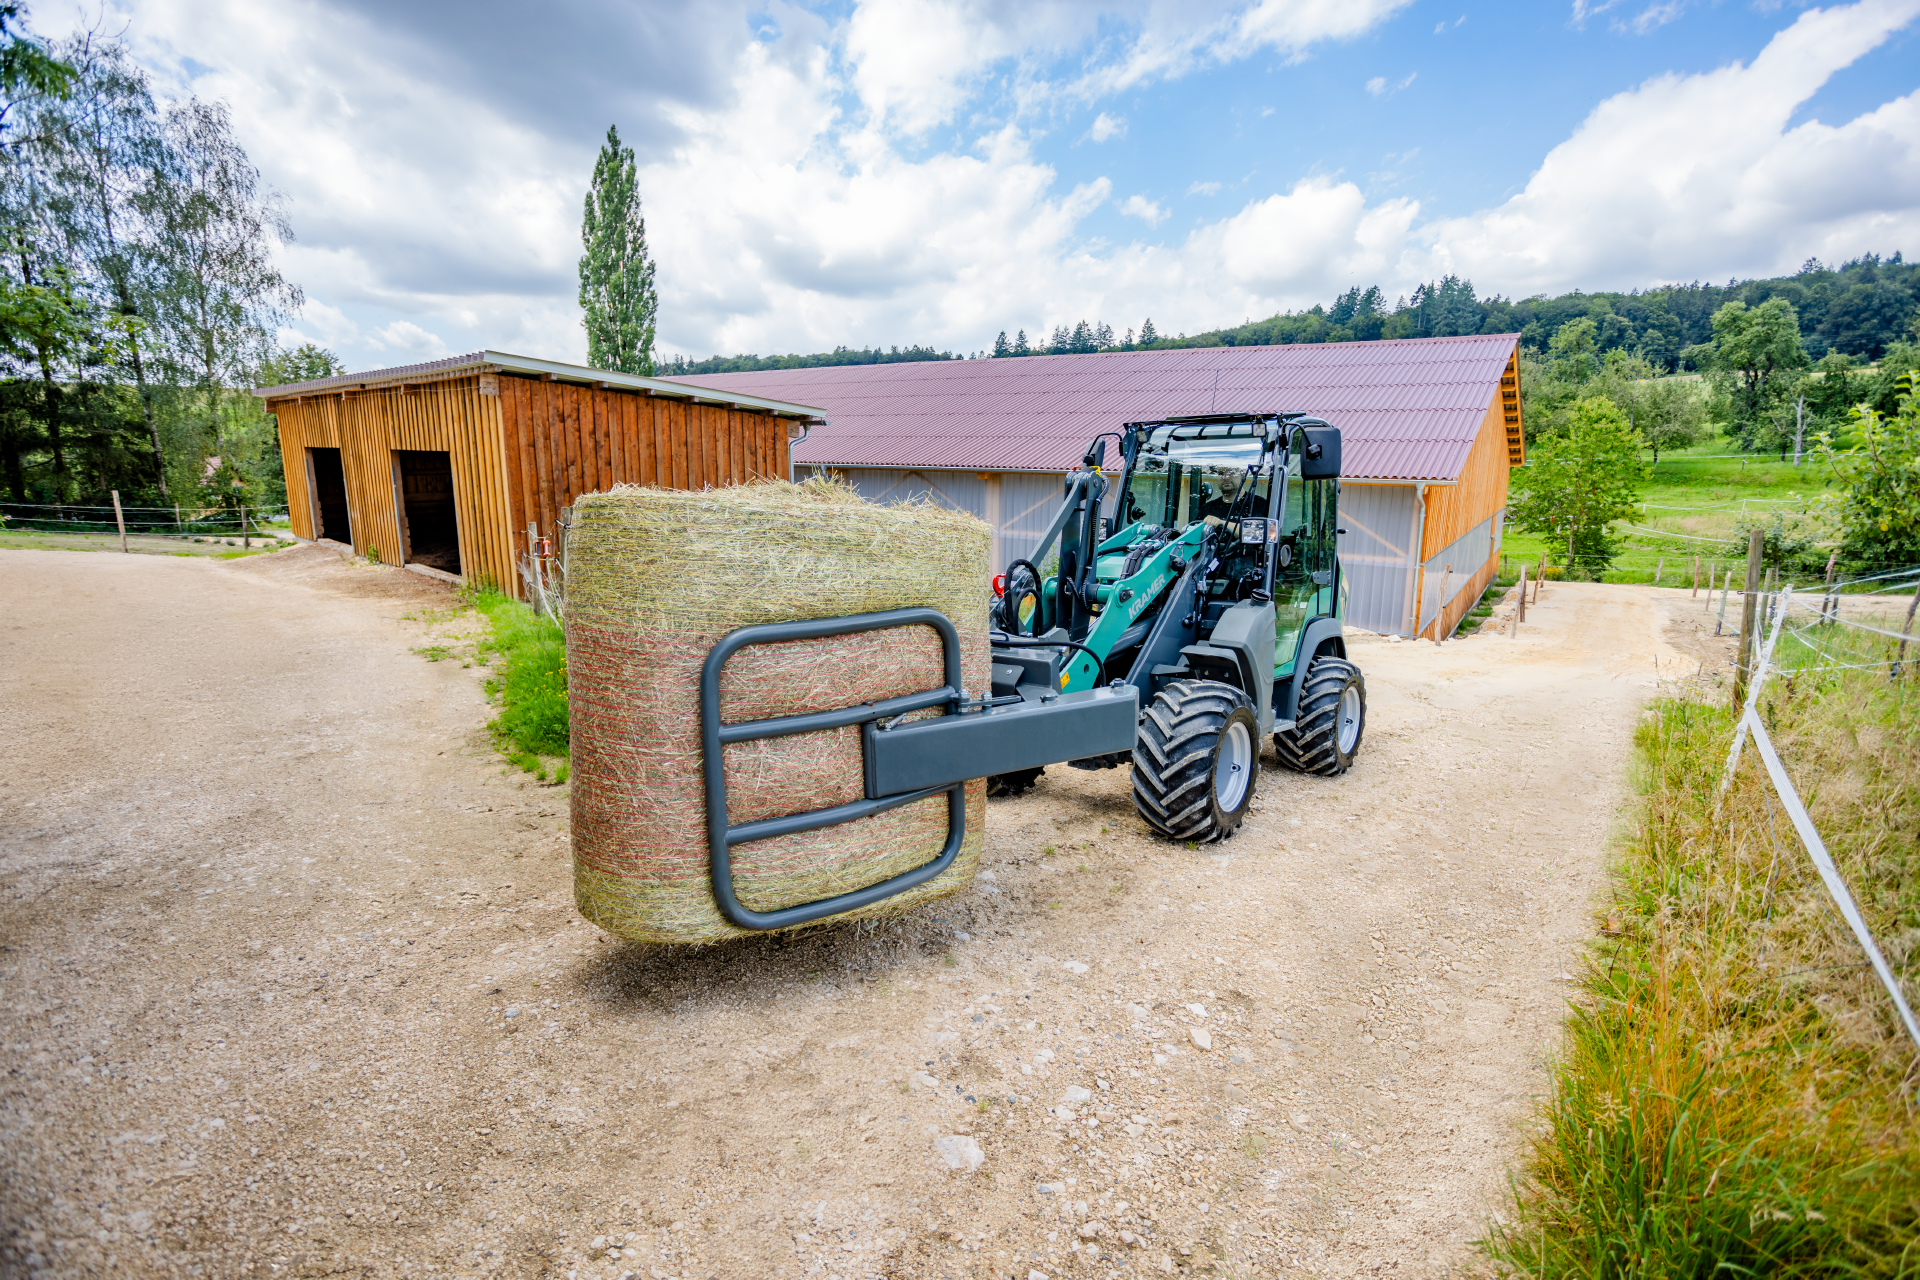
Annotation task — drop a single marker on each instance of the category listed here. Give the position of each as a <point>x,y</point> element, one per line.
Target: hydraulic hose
<point>1006,641</point>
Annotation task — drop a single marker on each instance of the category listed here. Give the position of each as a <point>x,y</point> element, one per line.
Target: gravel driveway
<point>294,986</point>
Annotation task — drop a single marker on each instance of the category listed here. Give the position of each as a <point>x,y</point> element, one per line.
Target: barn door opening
<point>327,485</point>
<point>428,531</point>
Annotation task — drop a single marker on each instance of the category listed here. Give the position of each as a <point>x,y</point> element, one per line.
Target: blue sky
<point>900,171</point>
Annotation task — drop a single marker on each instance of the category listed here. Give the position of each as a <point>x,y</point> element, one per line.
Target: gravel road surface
<point>294,986</point>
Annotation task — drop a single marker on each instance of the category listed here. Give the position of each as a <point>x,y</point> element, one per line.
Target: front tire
<point>1329,721</point>
<point>1196,761</point>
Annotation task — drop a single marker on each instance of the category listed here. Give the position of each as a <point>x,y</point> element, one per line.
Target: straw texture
<point>655,578</point>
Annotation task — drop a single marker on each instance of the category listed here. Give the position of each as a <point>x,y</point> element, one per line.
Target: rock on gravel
<point>959,1152</point>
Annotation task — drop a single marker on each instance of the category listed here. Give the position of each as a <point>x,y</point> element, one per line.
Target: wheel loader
<point>1203,614</point>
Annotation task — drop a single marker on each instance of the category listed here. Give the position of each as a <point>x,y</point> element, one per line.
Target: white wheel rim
<point>1348,734</point>
<point>1233,766</point>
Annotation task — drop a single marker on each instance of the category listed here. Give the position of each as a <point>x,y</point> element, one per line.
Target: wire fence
<point>1804,638</point>
<point>161,522</point>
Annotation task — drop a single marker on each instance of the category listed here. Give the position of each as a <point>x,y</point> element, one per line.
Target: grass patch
<point>1736,1094</point>
<point>1694,493</point>
<point>528,654</point>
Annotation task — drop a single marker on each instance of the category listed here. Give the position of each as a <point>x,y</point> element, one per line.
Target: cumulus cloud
<point>1686,175</point>
<point>1379,86</point>
<point>1106,126</point>
<point>876,178</point>
<point>1144,209</point>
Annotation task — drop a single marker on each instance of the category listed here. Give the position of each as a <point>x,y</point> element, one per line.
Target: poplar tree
<point>616,275</point>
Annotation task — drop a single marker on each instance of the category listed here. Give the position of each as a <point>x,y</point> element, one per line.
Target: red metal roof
<point>1408,409</point>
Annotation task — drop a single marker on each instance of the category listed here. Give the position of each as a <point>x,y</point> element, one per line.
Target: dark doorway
<point>428,530</point>
<point>329,489</point>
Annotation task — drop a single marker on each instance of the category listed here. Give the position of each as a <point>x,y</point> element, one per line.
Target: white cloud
<point>800,194</point>
<point>1106,126</point>
<point>1697,175</point>
<point>406,339</point>
<point>1144,209</point>
<point>1379,87</point>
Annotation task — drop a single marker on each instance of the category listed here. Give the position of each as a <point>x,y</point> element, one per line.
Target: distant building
<point>1430,428</point>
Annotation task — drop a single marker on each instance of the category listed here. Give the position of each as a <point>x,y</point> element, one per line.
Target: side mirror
<point>1096,455</point>
<point>1321,459</point>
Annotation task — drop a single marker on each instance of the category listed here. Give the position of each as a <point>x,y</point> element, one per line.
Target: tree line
<point>139,297</point>
<point>1591,416</point>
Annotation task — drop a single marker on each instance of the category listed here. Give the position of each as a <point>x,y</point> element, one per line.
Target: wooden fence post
<point>1520,609</point>
<point>1659,569</point>
<point>1828,601</point>
<point>1749,609</point>
<point>1696,577</point>
<point>120,519</point>
<point>245,541</point>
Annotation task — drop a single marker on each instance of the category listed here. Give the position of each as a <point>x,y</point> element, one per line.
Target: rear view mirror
<point>1321,460</point>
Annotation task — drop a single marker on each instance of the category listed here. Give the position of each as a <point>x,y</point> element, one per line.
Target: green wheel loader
<point>1172,635</point>
<point>1217,598</point>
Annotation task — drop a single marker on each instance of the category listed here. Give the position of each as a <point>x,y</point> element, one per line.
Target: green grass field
<point>1695,504</point>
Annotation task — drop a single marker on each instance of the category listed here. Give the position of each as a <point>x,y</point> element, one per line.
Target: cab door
<point>1294,590</point>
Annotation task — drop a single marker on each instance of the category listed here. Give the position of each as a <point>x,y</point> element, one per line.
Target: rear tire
<point>1329,721</point>
<point>1196,761</point>
<point>1017,783</point>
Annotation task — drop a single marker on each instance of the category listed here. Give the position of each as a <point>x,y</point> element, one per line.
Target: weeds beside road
<point>1736,1093</point>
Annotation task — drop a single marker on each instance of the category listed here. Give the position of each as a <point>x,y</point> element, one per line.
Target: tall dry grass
<point>1736,1095</point>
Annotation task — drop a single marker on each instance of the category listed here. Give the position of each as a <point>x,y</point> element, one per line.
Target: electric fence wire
<point>1751,724</point>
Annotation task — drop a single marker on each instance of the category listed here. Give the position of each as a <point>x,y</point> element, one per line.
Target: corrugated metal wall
<point>1018,504</point>
<point>520,448</point>
<point>1376,555</point>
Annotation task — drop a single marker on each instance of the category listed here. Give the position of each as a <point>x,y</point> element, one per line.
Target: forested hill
<point>681,366</point>
<point>1857,309</point>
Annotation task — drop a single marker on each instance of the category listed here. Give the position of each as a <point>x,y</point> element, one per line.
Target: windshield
<point>1194,480</point>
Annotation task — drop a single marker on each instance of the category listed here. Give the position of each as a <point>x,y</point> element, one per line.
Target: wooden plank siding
<point>450,416</point>
<point>1480,490</point>
<point>521,449</point>
<point>519,454</point>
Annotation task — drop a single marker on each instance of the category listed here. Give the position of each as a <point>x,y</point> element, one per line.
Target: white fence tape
<point>1830,874</point>
<point>1816,848</point>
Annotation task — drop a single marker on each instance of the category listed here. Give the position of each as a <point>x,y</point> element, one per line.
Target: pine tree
<point>1061,341</point>
<point>1127,341</point>
<point>1020,347</point>
<point>1001,347</point>
<point>1102,336</point>
<point>616,275</point>
<point>1081,339</point>
<point>1147,336</point>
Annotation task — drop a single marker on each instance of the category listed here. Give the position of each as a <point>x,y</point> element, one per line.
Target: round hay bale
<point>655,578</point>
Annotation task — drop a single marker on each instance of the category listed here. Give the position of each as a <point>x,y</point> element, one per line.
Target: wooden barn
<point>444,467</point>
<point>1430,429</point>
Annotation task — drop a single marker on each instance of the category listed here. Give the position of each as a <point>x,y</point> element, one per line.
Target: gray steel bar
<point>795,823</point>
<point>820,721</point>
<point>721,838</point>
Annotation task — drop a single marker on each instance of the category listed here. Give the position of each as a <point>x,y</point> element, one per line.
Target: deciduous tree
<point>1577,484</point>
